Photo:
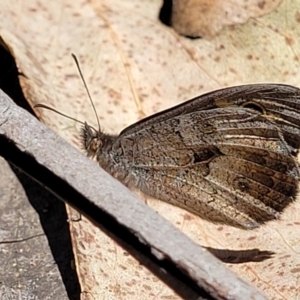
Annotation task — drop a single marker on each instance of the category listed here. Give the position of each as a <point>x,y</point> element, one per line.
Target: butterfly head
<point>92,140</point>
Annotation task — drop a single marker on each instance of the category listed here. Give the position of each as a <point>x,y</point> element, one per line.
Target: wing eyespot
<point>254,106</point>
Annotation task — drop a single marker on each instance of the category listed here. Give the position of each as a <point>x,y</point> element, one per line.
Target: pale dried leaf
<point>205,18</point>
<point>135,66</point>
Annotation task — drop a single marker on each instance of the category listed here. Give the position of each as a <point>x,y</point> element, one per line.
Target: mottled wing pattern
<point>228,156</point>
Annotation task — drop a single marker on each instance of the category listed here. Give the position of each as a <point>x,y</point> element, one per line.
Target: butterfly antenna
<point>86,88</point>
<point>58,112</point>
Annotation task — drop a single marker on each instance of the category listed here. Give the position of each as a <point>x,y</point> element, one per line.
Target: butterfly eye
<point>254,106</point>
<point>95,144</point>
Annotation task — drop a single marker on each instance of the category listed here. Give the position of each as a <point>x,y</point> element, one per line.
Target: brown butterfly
<point>228,156</point>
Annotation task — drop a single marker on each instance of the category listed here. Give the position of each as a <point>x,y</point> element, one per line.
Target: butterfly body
<point>228,156</point>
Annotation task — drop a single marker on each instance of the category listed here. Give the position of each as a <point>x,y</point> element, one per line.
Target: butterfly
<point>228,156</point>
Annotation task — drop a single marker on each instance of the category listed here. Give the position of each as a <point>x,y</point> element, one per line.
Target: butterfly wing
<point>232,163</point>
<point>278,102</point>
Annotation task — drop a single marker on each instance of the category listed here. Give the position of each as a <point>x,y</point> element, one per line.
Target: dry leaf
<point>205,18</point>
<point>135,66</point>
